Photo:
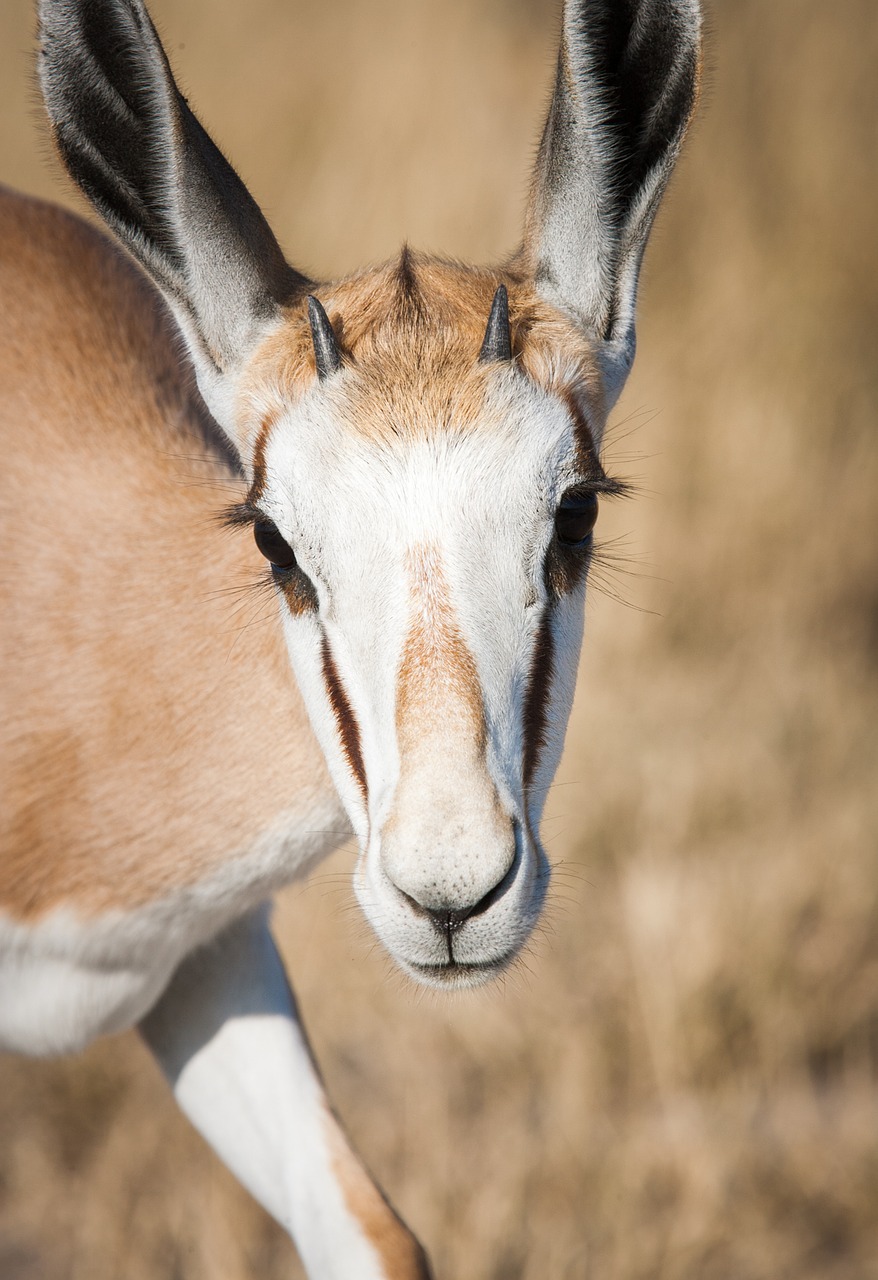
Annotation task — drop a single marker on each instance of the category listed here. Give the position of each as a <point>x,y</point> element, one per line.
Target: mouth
<point>457,974</point>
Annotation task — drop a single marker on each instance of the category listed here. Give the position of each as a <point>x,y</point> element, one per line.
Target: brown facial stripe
<point>585,446</point>
<point>536,706</point>
<point>347,725</point>
<point>565,568</point>
<point>257,488</point>
<point>298,591</point>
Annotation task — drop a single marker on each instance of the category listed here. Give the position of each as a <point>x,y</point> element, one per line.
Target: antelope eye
<point>576,516</point>
<point>273,546</point>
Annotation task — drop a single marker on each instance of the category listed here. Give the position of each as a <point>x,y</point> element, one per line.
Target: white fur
<point>228,1035</point>
<point>484,502</point>
<point>69,977</point>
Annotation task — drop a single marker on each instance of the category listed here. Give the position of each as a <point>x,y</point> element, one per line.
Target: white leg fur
<point>228,1036</point>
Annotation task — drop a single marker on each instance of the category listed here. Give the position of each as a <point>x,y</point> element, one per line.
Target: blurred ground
<point>681,1082</point>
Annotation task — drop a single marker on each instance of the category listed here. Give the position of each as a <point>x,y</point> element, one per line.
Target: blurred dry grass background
<point>682,1081</point>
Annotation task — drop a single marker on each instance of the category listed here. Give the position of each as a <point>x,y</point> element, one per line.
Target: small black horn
<point>326,351</point>
<point>498,340</point>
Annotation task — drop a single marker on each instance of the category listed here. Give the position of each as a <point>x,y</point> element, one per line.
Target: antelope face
<point>427,516</point>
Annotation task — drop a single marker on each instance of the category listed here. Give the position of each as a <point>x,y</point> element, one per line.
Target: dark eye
<point>576,516</point>
<point>272,545</point>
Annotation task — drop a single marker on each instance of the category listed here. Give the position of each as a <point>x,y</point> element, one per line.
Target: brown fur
<point>437,675</point>
<point>142,680</point>
<point>402,1256</point>
<point>348,729</point>
<point>564,569</point>
<point>410,333</point>
<point>536,707</point>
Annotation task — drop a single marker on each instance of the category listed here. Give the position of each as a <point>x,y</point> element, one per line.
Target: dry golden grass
<point>682,1080</point>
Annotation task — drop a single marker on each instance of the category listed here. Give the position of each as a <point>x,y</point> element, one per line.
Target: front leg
<point>228,1036</point>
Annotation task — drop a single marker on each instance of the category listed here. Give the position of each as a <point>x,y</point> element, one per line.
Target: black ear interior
<point>130,141</point>
<point>645,78</point>
<point>627,80</point>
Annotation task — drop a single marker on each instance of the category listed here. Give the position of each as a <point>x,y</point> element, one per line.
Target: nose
<point>451,866</point>
<point>448,842</point>
<point>448,919</point>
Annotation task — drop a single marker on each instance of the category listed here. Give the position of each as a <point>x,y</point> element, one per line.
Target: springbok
<point>416,449</point>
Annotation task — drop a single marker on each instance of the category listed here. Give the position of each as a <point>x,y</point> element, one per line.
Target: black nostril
<point>444,919</point>
<point>447,922</point>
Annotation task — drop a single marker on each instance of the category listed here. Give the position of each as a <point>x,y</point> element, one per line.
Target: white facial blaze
<point>427,556</point>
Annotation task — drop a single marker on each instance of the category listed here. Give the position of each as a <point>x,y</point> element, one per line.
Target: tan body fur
<point>142,684</point>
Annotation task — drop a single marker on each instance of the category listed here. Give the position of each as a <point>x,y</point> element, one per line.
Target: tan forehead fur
<point>410,333</point>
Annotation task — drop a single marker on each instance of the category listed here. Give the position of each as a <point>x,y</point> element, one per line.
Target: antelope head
<point>421,443</point>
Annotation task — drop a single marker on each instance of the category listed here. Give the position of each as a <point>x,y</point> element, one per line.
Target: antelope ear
<point>626,86</point>
<point>131,143</point>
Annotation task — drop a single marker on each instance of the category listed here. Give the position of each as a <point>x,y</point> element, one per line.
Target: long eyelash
<point>610,487</point>
<point>245,590</point>
<point>250,600</point>
<point>610,563</point>
<point>239,514</point>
